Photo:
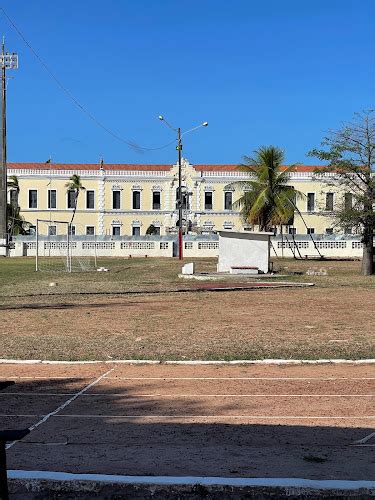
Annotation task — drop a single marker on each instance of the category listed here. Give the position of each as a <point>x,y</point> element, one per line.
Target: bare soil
<point>253,324</point>
<point>231,421</point>
<point>83,318</point>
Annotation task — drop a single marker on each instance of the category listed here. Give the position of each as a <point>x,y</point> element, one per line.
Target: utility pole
<point>179,148</point>
<point>7,61</point>
<point>180,198</point>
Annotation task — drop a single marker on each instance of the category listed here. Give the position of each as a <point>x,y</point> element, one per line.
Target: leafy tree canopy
<point>350,154</point>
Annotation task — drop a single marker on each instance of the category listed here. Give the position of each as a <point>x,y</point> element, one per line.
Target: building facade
<point>124,199</point>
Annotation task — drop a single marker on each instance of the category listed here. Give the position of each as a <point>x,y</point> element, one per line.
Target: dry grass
<point>332,320</point>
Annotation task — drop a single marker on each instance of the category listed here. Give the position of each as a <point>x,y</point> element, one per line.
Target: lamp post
<point>179,201</point>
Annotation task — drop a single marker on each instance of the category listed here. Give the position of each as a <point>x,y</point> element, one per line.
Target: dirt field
<point>333,319</point>
<point>236,421</point>
<point>283,323</point>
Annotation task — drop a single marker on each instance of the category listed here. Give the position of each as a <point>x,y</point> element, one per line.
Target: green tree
<point>350,153</point>
<point>16,224</point>
<point>13,184</point>
<point>76,186</point>
<point>267,200</point>
<point>151,229</point>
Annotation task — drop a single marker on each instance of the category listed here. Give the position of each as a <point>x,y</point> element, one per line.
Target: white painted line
<point>49,362</point>
<point>196,362</point>
<point>175,396</point>
<point>61,407</point>
<point>241,378</point>
<point>5,415</point>
<point>244,417</point>
<point>192,480</point>
<point>236,395</point>
<point>266,417</point>
<point>291,379</point>
<point>270,362</point>
<point>32,393</point>
<point>20,361</point>
<point>135,361</point>
<point>365,439</point>
<point>8,377</point>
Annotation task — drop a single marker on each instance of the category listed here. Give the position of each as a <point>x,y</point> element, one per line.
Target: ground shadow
<point>91,435</point>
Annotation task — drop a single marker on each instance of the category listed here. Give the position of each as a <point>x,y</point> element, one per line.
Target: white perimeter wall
<point>340,248</point>
<point>98,248</point>
<point>3,247</point>
<point>349,248</point>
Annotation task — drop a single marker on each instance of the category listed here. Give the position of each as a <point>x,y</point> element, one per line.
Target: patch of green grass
<point>334,319</point>
<point>19,278</point>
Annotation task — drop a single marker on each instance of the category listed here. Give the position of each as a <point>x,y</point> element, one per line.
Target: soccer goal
<point>58,249</point>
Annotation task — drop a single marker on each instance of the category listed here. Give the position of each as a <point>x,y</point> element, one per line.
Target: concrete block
<point>188,268</point>
<point>3,247</point>
<point>244,270</point>
<point>17,249</point>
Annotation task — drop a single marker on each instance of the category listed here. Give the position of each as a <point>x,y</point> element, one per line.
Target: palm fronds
<point>267,200</point>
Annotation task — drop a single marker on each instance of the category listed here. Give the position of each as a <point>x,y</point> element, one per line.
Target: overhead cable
<point>67,92</point>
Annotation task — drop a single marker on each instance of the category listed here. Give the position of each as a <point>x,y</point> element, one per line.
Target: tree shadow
<point>92,435</point>
<point>71,305</point>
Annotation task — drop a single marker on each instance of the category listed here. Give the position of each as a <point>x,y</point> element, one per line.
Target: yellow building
<point>122,199</point>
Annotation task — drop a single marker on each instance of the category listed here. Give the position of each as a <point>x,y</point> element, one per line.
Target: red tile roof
<point>231,168</point>
<point>215,168</point>
<point>127,166</point>
<point>87,166</point>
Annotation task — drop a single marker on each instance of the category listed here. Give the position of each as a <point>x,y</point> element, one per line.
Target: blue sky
<point>260,72</point>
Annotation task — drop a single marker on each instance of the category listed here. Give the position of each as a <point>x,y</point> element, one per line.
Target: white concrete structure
<point>188,268</point>
<point>3,247</point>
<point>247,249</point>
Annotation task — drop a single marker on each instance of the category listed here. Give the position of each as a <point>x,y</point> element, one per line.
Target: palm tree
<point>15,220</point>
<point>267,201</point>
<point>13,184</point>
<point>75,185</point>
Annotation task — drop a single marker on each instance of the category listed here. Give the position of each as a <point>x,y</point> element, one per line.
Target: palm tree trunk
<point>75,206</point>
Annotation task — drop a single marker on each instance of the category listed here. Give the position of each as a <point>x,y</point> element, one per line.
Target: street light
<point>179,149</point>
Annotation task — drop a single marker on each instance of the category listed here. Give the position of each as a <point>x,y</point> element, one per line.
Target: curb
<point>320,484</point>
<point>193,362</point>
<point>88,486</point>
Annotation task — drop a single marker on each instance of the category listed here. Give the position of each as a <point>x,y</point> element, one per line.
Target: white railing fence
<point>342,246</point>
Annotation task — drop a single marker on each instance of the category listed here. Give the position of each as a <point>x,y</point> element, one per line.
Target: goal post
<point>63,247</point>
<point>53,248</point>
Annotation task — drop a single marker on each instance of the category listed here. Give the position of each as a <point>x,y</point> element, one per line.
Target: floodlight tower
<point>7,61</point>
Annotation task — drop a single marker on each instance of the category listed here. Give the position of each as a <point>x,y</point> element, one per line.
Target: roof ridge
<point>138,166</point>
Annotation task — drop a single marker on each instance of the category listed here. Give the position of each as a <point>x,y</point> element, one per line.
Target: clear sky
<point>260,72</point>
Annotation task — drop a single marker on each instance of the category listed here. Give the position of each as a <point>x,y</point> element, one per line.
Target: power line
<point>67,92</point>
